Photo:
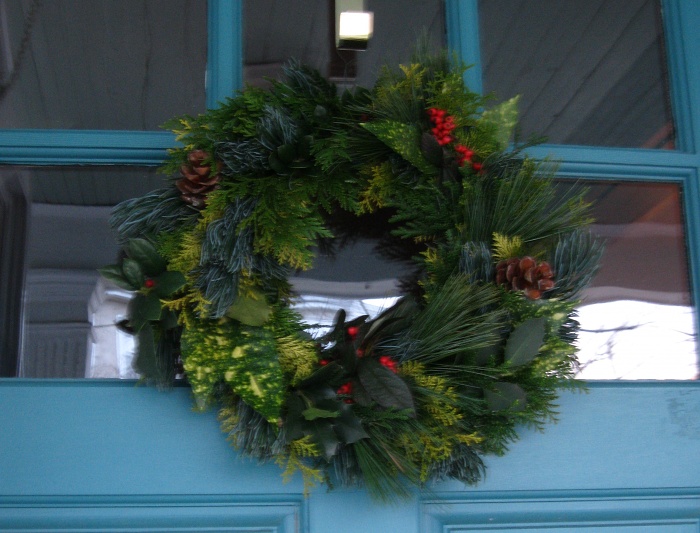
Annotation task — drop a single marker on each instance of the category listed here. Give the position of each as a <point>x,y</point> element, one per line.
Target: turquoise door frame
<point>106,455</point>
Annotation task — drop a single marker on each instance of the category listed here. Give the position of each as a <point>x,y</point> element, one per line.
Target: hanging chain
<point>23,46</point>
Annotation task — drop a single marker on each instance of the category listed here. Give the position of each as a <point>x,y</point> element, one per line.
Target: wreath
<point>479,343</point>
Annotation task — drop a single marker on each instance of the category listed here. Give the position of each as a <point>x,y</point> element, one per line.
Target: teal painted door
<point>79,455</point>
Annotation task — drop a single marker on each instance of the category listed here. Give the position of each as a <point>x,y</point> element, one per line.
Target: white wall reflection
<point>632,340</point>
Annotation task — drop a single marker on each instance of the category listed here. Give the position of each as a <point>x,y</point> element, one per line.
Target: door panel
<point>138,451</point>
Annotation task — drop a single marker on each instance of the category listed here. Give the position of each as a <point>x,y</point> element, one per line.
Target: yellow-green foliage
<point>379,190</point>
<point>294,461</point>
<point>505,247</point>
<point>440,416</point>
<point>297,357</point>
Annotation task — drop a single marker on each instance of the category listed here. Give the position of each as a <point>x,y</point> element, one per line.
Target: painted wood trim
<point>84,147</point>
<point>462,24</point>
<point>160,513</point>
<point>225,61</point>
<point>681,20</point>
<point>674,511</point>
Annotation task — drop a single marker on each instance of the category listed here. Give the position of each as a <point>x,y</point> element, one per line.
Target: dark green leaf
<point>144,253</point>
<point>432,151</point>
<point>146,362</point>
<point>524,342</point>
<point>168,319</point>
<point>133,272</point>
<point>325,374</point>
<point>115,274</point>
<point>293,419</point>
<point>385,387</point>
<point>312,413</point>
<point>348,426</point>
<point>142,309</point>
<point>168,283</point>
<point>506,396</point>
<point>324,436</point>
<point>286,153</point>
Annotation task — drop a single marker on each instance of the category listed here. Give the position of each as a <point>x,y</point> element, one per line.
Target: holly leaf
<point>324,436</point>
<point>142,309</point>
<point>115,274</point>
<point>168,283</point>
<point>143,252</point>
<point>348,426</point>
<point>383,386</point>
<point>506,397</point>
<point>524,342</point>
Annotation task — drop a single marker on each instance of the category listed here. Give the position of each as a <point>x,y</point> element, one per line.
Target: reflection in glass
<point>58,241</point>
<point>637,320</point>
<point>589,72</point>
<point>101,64</point>
<point>278,30</point>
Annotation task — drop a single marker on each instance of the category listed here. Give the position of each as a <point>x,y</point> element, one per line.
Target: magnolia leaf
<point>506,397</point>
<point>143,252</point>
<point>168,283</point>
<point>115,274</point>
<point>133,272</point>
<point>348,426</point>
<point>502,119</point>
<point>524,342</point>
<point>251,311</point>
<point>312,413</point>
<point>383,386</point>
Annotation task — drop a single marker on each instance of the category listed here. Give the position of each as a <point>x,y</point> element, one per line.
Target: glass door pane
<point>589,72</point>
<point>100,64</point>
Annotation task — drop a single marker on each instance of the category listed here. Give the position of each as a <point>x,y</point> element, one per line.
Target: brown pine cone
<point>198,179</point>
<point>525,275</point>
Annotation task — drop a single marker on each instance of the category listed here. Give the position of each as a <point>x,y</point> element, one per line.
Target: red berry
<point>353,331</point>
<point>323,362</point>
<point>149,283</point>
<point>477,166</point>
<point>360,352</point>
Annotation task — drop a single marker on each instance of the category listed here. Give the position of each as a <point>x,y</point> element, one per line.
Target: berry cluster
<point>442,130</point>
<point>444,124</point>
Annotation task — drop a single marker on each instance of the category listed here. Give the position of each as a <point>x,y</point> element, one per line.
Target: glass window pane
<point>589,72</point>
<point>100,64</point>
<point>277,30</point>
<point>637,319</point>
<point>55,235</point>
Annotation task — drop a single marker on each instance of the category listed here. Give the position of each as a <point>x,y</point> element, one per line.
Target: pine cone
<point>198,180</point>
<point>525,275</point>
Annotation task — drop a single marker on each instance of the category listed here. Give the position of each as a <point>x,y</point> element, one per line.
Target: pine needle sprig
<point>161,211</point>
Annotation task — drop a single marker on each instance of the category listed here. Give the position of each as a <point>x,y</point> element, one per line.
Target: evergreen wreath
<point>479,345</point>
